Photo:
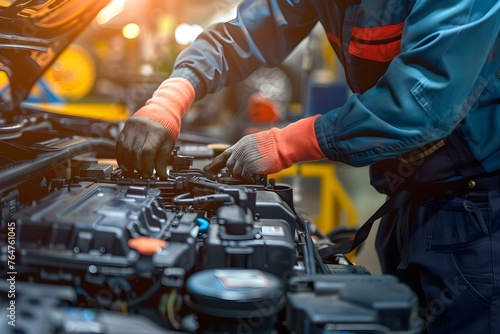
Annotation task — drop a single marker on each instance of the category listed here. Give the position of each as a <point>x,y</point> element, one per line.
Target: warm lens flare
<point>110,11</point>
<point>131,31</point>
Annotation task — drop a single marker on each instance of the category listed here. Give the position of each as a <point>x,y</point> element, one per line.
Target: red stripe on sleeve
<point>377,52</point>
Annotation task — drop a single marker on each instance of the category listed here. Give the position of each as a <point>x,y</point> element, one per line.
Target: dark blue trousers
<point>453,258</point>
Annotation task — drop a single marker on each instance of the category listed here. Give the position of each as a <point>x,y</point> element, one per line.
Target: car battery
<point>238,240</point>
<point>351,303</point>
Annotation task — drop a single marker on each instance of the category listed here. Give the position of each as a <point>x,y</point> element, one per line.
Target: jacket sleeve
<point>263,33</point>
<point>449,52</point>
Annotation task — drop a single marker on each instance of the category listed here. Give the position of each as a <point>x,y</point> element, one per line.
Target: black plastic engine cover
<point>237,240</point>
<point>351,303</point>
<point>90,224</point>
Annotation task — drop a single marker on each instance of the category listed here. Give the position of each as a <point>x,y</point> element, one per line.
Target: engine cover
<point>236,240</point>
<point>88,227</point>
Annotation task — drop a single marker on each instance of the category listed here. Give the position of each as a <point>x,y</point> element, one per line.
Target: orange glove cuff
<point>295,143</point>
<point>169,103</point>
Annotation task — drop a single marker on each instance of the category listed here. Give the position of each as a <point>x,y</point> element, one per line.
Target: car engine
<point>87,248</point>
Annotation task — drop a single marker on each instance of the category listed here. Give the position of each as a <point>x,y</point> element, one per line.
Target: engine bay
<point>87,248</point>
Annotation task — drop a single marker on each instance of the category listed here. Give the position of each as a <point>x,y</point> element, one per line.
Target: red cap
<point>146,245</point>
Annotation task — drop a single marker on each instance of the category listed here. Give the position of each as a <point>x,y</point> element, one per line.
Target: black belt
<point>471,186</point>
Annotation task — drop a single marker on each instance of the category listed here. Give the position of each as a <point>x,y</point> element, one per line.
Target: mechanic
<point>424,114</point>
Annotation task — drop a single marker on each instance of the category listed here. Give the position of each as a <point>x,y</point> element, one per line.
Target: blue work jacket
<point>418,69</point>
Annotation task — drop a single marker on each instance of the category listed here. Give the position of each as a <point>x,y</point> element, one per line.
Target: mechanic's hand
<point>270,151</point>
<point>149,136</point>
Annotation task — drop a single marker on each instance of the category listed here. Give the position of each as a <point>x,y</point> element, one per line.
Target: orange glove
<point>149,136</point>
<point>270,151</point>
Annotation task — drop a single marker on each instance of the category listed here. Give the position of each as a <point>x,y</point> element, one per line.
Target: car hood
<point>32,34</point>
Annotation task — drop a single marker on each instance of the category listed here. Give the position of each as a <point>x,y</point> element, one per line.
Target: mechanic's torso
<point>366,35</point>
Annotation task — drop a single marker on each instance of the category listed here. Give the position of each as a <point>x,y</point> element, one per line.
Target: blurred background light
<point>186,33</point>
<point>131,31</point>
<point>110,11</point>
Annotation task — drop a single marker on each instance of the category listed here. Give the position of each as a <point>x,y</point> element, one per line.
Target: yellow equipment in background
<point>328,192</point>
<point>102,111</point>
<point>67,82</point>
<point>73,74</point>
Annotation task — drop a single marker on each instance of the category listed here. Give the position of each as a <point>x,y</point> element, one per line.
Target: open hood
<point>32,34</point>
